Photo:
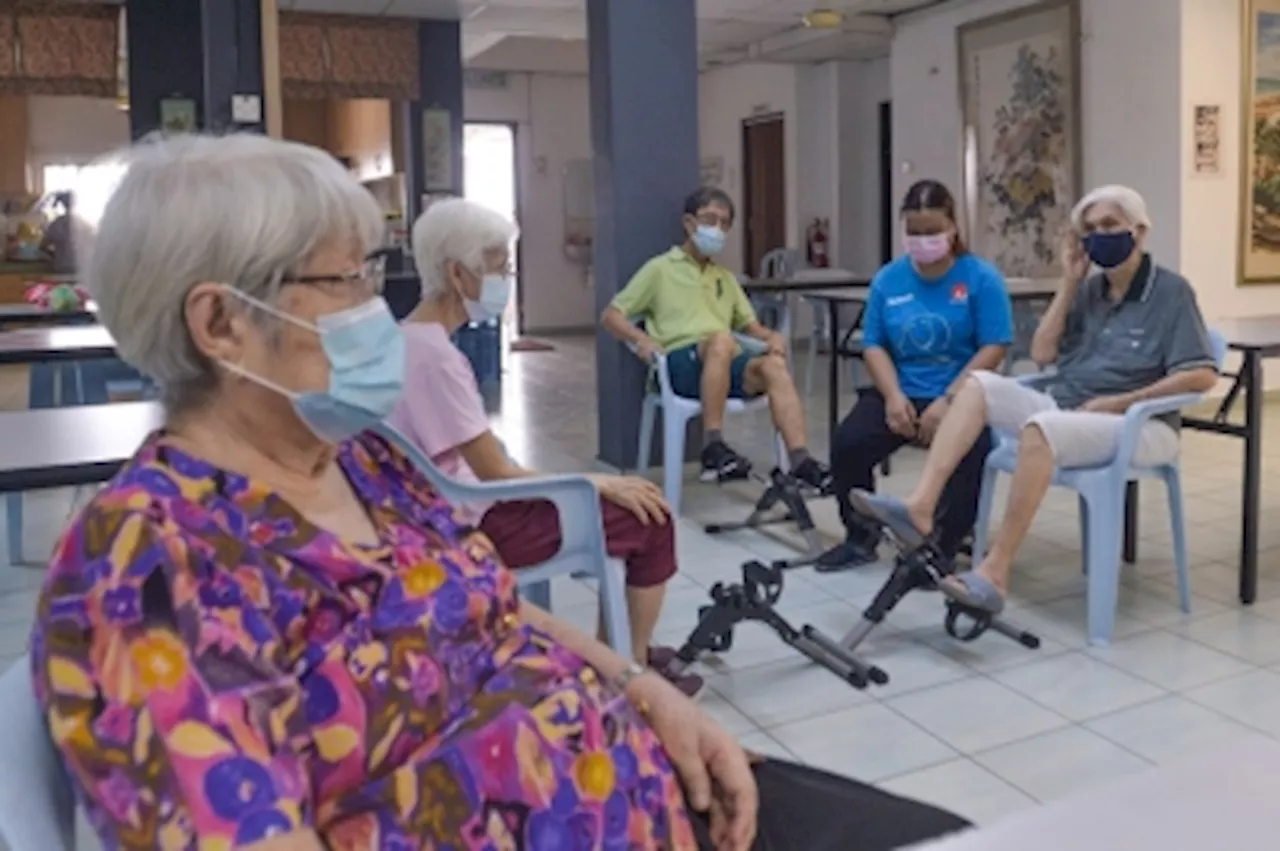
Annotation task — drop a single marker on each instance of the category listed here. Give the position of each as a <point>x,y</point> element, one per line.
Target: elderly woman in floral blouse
<point>267,631</point>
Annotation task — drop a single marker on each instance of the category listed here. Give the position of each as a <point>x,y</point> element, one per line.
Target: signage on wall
<point>437,150</point>
<point>481,78</point>
<point>1207,133</point>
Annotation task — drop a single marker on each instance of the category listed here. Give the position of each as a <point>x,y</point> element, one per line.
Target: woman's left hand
<point>715,770</point>
<point>639,496</point>
<point>930,419</point>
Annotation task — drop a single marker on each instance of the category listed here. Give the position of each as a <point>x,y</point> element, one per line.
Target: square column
<point>202,51</point>
<point>644,133</point>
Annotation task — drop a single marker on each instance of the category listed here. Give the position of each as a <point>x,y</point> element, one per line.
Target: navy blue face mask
<point>1109,250</point>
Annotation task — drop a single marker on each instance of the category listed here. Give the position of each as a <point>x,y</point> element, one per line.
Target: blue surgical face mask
<point>709,240</point>
<point>495,292</point>
<point>1109,250</point>
<point>366,351</point>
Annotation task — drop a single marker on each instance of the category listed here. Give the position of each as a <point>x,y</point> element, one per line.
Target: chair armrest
<point>750,345</point>
<point>575,497</point>
<point>1139,414</point>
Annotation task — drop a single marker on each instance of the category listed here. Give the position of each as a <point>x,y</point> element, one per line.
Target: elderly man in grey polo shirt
<point>1129,333</point>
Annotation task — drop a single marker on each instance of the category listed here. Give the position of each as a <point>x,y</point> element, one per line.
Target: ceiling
<point>549,35</point>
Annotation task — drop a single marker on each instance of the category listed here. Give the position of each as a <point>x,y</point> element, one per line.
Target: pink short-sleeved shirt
<point>442,408</point>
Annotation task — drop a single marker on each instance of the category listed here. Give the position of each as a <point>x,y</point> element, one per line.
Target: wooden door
<point>764,201</point>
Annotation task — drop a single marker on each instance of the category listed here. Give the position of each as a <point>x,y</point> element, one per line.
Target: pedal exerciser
<point>785,491</point>
<point>923,568</point>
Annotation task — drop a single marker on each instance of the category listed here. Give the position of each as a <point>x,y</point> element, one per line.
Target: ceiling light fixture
<point>824,19</point>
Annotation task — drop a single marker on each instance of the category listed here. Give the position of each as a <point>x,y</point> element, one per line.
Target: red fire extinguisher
<point>816,244</point>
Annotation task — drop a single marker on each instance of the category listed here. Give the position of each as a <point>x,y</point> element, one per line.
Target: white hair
<point>1130,203</point>
<point>459,230</point>
<point>242,210</point>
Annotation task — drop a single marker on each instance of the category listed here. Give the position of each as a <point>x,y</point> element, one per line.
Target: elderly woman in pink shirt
<point>462,252</point>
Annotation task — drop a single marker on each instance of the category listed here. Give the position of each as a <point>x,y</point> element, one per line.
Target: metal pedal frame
<point>924,569</point>
<point>753,599</point>
<point>781,489</point>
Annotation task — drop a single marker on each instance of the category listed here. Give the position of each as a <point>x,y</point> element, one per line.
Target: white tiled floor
<point>984,729</point>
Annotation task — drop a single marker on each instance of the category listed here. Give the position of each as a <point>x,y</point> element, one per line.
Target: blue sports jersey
<point>932,329</point>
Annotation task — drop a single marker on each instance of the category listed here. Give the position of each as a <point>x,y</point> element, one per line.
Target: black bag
<point>806,809</point>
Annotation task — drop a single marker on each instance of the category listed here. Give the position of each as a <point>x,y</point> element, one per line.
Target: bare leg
<point>643,608</point>
<point>716,353</point>
<point>768,374</point>
<point>1031,479</point>
<point>956,435</point>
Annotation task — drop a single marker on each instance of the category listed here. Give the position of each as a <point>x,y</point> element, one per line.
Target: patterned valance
<point>343,56</point>
<point>54,47</point>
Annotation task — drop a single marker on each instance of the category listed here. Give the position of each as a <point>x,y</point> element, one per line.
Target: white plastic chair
<point>1101,496</point>
<point>37,808</point>
<point>582,550</point>
<point>676,413</point>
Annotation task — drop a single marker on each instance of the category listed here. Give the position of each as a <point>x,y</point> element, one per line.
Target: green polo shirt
<point>683,303</point>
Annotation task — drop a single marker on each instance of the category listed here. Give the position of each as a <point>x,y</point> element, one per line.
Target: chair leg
<point>613,605</point>
<point>1178,523</point>
<point>811,366</point>
<point>1084,533</point>
<point>982,527</point>
<point>13,510</point>
<point>673,433</point>
<point>1103,555</point>
<point>537,593</point>
<point>648,413</point>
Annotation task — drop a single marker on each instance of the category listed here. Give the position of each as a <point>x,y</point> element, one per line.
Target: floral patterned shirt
<point>215,669</point>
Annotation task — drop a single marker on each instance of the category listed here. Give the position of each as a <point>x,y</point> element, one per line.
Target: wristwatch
<point>624,680</point>
<point>628,675</point>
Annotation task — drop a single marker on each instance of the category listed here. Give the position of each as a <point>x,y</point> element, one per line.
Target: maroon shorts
<point>527,532</point>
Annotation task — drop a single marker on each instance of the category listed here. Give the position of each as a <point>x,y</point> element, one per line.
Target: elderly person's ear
<point>217,323</point>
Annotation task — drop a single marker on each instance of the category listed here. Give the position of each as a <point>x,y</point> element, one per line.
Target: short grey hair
<point>242,210</point>
<point>1128,200</point>
<point>459,230</point>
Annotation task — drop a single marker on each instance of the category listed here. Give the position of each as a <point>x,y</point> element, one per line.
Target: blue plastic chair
<point>1101,496</point>
<point>37,807</point>
<point>582,550</point>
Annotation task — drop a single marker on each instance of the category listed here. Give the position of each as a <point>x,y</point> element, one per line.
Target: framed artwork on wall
<point>1020,107</point>
<point>1260,135</point>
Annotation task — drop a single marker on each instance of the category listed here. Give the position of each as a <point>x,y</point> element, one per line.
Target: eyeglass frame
<point>374,268</point>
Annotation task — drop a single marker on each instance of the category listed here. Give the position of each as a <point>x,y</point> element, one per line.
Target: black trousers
<point>806,809</point>
<point>863,440</point>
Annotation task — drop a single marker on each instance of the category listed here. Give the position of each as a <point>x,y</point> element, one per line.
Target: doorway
<point>489,178</point>
<point>887,217</point>
<point>764,188</point>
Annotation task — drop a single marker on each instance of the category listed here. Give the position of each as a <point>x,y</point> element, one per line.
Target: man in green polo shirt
<point>691,306</point>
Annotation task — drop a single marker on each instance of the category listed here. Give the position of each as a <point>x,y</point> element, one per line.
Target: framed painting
<point>1020,106</point>
<point>1260,135</point>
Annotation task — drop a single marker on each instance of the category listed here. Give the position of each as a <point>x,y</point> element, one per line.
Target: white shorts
<point>1078,438</point>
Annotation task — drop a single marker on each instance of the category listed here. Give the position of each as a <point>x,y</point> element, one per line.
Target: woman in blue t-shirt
<point>934,314</point>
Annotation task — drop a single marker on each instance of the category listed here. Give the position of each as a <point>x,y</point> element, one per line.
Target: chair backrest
<point>1219,342</point>
<point>779,263</point>
<point>37,809</point>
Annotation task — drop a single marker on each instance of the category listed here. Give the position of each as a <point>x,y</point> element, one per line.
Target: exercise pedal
<point>785,491</point>
<point>753,599</point>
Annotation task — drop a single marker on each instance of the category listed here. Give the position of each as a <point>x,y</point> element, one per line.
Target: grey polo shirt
<point>1110,347</point>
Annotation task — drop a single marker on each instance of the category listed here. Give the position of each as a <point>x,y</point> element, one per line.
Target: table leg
<point>1251,371</point>
<point>1131,523</point>
<point>833,371</point>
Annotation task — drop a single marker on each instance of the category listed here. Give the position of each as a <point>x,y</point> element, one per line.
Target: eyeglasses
<point>371,277</point>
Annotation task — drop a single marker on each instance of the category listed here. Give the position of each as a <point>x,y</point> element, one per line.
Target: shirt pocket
<point>1134,346</point>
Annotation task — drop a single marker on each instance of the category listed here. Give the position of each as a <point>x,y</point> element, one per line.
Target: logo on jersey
<point>959,293</point>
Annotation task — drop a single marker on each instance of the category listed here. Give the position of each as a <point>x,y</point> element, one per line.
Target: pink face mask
<point>929,248</point>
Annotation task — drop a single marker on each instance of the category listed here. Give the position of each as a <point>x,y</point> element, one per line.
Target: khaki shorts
<point>1078,438</point>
